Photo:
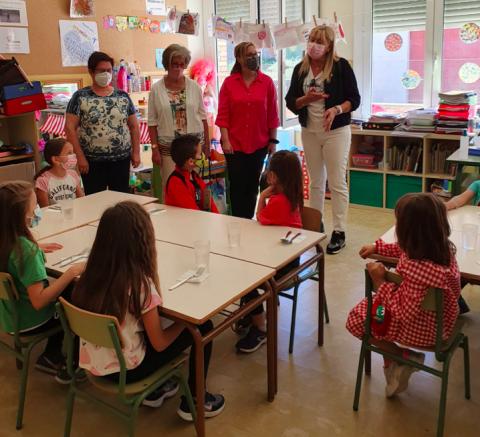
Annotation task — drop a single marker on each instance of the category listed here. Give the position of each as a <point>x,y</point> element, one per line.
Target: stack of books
<point>419,120</point>
<point>384,121</point>
<point>456,109</point>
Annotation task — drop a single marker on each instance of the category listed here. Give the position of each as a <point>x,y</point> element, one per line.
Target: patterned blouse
<point>104,134</point>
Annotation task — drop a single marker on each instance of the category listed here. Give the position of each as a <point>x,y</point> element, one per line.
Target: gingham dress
<point>410,324</point>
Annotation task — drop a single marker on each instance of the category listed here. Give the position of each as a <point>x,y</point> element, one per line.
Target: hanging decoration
<point>469,33</point>
<point>286,35</point>
<point>469,72</point>
<point>81,8</point>
<point>222,29</point>
<point>258,34</point>
<point>411,79</point>
<point>393,42</point>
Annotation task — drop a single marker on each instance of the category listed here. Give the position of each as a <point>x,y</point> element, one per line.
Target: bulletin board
<point>43,29</point>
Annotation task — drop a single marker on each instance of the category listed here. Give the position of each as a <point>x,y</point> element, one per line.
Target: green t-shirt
<point>25,272</point>
<point>475,187</point>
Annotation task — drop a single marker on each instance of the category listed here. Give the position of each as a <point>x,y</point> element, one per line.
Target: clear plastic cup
<point>67,208</point>
<point>469,236</point>
<point>234,233</point>
<point>201,249</point>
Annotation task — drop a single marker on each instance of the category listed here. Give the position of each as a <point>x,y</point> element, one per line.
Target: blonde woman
<point>248,121</point>
<point>323,91</point>
<point>175,108</point>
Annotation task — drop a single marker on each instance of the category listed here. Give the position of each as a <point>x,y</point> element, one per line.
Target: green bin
<point>397,186</point>
<point>366,188</point>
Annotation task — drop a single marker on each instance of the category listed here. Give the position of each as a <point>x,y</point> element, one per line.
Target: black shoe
<point>214,405</point>
<point>49,365</point>
<point>165,391</point>
<point>243,325</point>
<point>252,341</point>
<point>337,242</point>
<point>322,227</point>
<point>63,377</point>
<point>462,305</point>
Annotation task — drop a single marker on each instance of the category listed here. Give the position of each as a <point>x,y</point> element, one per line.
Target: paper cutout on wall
<point>121,23</point>
<point>286,35</point>
<point>78,39</point>
<point>155,26</point>
<point>393,42</point>
<point>222,29</point>
<point>144,24</point>
<point>158,58</point>
<point>187,23</point>
<point>258,34</point>
<point>411,79</point>
<point>469,72</point>
<point>81,8</point>
<point>470,33</point>
<point>132,23</point>
<point>109,22</point>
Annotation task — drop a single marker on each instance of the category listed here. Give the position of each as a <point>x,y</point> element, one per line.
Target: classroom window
<point>274,62</point>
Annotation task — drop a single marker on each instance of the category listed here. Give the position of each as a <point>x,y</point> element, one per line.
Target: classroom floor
<point>315,384</point>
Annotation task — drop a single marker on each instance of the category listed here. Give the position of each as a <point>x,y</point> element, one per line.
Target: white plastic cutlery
<point>196,274</point>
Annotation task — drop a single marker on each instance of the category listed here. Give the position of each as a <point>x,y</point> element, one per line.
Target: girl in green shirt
<point>24,260</point>
<point>471,193</point>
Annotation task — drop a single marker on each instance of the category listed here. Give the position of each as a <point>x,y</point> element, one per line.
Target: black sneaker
<point>252,341</point>
<point>165,391</point>
<point>337,242</point>
<point>48,365</point>
<point>214,405</point>
<point>462,305</point>
<point>243,325</point>
<point>63,377</point>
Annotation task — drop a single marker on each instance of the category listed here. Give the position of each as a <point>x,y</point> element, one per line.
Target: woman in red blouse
<point>248,121</point>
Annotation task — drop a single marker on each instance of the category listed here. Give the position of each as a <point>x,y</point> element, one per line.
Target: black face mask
<point>253,63</point>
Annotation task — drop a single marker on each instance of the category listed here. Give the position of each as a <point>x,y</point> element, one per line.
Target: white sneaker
<point>392,379</point>
<point>406,371</point>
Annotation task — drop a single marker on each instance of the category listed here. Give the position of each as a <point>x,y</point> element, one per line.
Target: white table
<point>463,215</point>
<point>194,304</point>
<point>468,260</point>
<point>86,210</point>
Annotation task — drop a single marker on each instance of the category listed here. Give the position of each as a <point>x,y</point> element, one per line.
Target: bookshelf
<point>404,162</point>
<point>16,129</point>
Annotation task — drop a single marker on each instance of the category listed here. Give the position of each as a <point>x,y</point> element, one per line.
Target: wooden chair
<point>103,331</point>
<point>22,343</point>
<point>311,219</point>
<point>443,350</point>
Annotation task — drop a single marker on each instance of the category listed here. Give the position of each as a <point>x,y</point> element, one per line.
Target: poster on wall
<point>78,40</point>
<point>14,40</point>
<point>13,13</point>
<point>81,8</point>
<point>156,7</point>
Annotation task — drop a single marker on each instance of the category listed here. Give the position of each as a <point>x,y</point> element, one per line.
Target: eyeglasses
<point>174,65</point>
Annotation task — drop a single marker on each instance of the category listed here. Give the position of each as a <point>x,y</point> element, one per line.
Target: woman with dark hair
<point>248,121</point>
<point>102,126</point>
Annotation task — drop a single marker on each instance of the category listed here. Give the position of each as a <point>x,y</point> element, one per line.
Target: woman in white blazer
<point>175,108</point>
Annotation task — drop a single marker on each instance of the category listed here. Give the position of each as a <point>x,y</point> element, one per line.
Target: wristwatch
<point>339,109</point>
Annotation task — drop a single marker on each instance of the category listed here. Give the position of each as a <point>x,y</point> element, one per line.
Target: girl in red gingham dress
<point>426,259</point>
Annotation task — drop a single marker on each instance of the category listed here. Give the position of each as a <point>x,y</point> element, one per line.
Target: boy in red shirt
<point>185,188</point>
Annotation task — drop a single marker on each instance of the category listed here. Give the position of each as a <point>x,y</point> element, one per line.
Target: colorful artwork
<point>393,42</point>
<point>109,22</point>
<point>158,58</point>
<point>470,33</point>
<point>411,79</point>
<point>78,40</point>
<point>469,72</point>
<point>144,24</point>
<point>222,29</point>
<point>132,23</point>
<point>121,23</point>
<point>81,8</point>
<point>155,26</point>
<point>188,24</point>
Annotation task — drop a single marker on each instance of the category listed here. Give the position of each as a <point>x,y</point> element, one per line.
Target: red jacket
<point>278,212</point>
<point>187,190</point>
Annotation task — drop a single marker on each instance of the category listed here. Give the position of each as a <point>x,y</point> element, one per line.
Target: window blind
<point>233,10</point>
<point>399,15</point>
<point>459,12</point>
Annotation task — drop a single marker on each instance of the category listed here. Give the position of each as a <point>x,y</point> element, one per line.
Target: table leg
<point>271,342</point>
<point>457,186</point>
<point>321,295</point>
<point>199,394</point>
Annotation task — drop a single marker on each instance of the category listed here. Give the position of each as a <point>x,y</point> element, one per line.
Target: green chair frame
<point>443,350</point>
<point>22,343</point>
<point>103,331</point>
<point>311,219</point>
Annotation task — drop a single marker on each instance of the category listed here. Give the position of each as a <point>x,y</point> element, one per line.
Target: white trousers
<point>326,154</point>
<point>166,170</point>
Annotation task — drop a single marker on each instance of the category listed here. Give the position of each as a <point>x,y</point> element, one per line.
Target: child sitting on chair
<point>426,259</point>
<point>471,193</point>
<point>185,188</point>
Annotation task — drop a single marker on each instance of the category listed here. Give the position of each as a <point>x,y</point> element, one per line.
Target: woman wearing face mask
<point>248,121</point>
<point>323,91</point>
<point>175,108</point>
<point>59,180</point>
<point>102,126</point>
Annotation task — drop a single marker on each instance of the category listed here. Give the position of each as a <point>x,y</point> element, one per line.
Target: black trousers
<point>153,359</point>
<point>114,175</point>
<point>244,171</point>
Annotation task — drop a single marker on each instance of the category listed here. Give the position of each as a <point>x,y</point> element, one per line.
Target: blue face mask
<point>35,219</point>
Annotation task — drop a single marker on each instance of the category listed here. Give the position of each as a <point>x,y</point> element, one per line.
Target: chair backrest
<point>92,327</point>
<point>311,219</point>
<point>8,291</point>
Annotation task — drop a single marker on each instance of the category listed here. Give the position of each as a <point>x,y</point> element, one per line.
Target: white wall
<point>344,10</point>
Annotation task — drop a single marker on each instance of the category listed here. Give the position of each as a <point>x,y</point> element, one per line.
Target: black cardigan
<point>342,86</point>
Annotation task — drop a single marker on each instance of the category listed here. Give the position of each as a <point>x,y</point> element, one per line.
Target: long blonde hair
<point>240,52</point>
<point>327,34</point>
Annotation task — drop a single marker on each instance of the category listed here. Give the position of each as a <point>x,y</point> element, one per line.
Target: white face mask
<point>103,79</point>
